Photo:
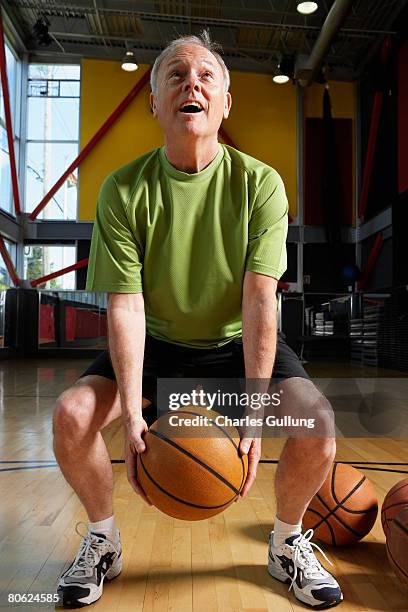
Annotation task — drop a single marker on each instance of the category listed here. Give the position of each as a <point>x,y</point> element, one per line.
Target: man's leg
<point>81,413</point>
<point>302,469</point>
<point>303,466</point>
<point>305,460</point>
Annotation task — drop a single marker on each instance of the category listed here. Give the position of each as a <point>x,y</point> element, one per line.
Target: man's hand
<point>134,445</point>
<point>250,446</point>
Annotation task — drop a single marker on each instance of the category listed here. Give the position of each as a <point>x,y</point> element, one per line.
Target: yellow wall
<point>103,86</point>
<point>262,123</point>
<point>342,96</point>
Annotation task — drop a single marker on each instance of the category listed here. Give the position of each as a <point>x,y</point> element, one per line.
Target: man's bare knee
<point>314,450</point>
<point>73,413</point>
<point>88,406</point>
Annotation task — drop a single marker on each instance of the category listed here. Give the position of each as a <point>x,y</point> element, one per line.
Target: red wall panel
<point>403,119</point>
<point>47,324</point>
<point>313,164</point>
<point>70,323</point>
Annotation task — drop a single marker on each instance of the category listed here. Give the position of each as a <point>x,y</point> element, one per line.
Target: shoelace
<point>304,551</point>
<point>89,550</point>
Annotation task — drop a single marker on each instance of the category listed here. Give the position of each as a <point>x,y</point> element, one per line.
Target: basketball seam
<point>212,422</point>
<point>178,499</point>
<point>227,436</point>
<point>350,492</point>
<point>357,486</point>
<point>401,503</point>
<point>321,522</point>
<point>332,513</point>
<point>194,458</point>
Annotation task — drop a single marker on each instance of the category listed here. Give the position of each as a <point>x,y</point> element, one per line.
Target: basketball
<point>397,546</point>
<point>344,510</point>
<point>394,502</point>
<point>191,471</point>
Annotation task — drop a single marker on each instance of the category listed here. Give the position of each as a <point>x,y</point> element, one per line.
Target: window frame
<point>15,95</point>
<point>28,141</point>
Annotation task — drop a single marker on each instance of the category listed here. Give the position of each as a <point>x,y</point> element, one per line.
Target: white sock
<point>282,531</point>
<point>107,527</point>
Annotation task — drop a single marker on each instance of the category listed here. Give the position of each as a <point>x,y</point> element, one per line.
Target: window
<point>5,280</point>
<point>13,78</point>
<point>40,260</point>
<point>52,138</point>
<point>5,173</point>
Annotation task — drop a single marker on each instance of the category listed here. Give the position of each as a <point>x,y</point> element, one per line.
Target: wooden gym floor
<point>219,564</point>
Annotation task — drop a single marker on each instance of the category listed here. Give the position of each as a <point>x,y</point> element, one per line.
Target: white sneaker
<point>98,558</point>
<point>295,562</point>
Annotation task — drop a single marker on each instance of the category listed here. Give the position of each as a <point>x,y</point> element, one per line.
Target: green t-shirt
<point>186,240</point>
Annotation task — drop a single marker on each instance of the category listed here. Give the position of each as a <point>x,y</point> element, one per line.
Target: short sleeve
<point>115,259</point>
<point>268,228</point>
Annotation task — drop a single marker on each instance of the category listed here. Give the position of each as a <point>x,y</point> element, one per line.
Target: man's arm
<point>259,327</point>
<point>126,336</point>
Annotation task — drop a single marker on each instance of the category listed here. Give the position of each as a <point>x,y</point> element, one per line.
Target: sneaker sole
<point>287,580</point>
<point>70,595</point>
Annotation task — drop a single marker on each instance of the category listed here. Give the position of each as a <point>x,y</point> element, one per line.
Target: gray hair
<point>204,40</point>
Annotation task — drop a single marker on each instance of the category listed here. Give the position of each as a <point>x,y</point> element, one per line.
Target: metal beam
<point>309,234</point>
<point>43,279</point>
<point>376,224</point>
<point>70,231</point>
<point>9,227</point>
<point>330,28</point>
<point>266,19</point>
<point>317,234</point>
<point>47,231</point>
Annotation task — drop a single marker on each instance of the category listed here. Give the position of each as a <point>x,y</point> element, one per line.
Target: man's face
<point>190,97</point>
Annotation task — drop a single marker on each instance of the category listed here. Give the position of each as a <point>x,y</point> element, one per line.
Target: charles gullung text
<point>222,420</point>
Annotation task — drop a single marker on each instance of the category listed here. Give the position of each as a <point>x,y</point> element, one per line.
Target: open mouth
<point>191,108</point>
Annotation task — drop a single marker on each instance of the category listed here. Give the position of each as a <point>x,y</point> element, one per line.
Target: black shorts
<point>166,360</point>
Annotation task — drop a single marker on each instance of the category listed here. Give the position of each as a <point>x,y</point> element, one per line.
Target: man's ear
<point>227,104</point>
<point>153,104</point>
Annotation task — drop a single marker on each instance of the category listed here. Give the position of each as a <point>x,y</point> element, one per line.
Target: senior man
<point>189,242</point>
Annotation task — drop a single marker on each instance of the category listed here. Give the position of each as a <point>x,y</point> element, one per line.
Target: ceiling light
<point>129,63</point>
<point>286,70</point>
<point>307,8</point>
<point>280,78</point>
